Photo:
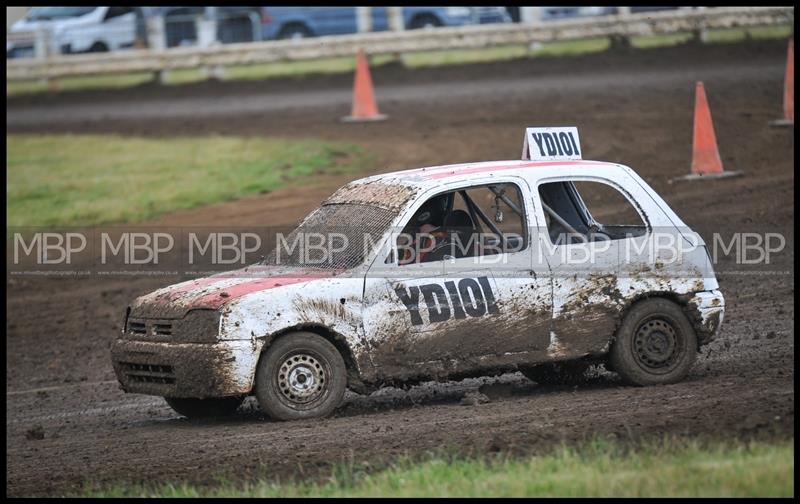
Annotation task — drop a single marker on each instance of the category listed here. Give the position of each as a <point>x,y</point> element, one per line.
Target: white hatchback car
<point>446,272</point>
<point>77,29</point>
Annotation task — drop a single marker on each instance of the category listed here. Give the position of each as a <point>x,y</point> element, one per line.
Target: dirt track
<point>634,108</point>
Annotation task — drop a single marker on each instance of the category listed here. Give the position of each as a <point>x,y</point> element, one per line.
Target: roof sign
<point>548,144</point>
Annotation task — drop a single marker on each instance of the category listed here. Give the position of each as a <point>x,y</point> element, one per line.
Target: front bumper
<point>191,370</point>
<point>709,310</point>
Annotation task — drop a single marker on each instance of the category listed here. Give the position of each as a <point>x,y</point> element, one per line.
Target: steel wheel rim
<point>302,379</point>
<point>658,345</point>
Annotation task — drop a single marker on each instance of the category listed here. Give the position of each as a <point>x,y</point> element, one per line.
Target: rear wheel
<point>655,344</point>
<point>424,21</point>
<point>301,375</point>
<point>557,373</point>
<point>294,31</point>
<point>204,408</point>
<point>98,47</point>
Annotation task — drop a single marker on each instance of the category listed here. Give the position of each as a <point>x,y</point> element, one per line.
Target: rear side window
<point>582,211</point>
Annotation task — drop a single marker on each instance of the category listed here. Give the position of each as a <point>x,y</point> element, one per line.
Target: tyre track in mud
<point>394,96</point>
<point>58,370</point>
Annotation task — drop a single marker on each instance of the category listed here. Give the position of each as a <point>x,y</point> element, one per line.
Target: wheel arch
<point>338,340</point>
<point>295,23</point>
<point>99,45</point>
<point>417,19</point>
<point>682,300</point>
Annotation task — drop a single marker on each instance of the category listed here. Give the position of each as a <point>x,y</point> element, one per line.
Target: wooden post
<point>206,26</point>
<point>621,41</point>
<point>206,29</point>
<point>396,24</point>
<point>531,16</point>
<point>157,42</point>
<point>395,15</point>
<point>701,33</point>
<point>42,50</point>
<point>364,19</point>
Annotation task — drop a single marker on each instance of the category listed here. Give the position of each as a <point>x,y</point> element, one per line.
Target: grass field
<point>604,469</point>
<point>97,179</point>
<point>411,60</point>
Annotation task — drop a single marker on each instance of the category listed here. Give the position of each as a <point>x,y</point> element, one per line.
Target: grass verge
<point>86,180</point>
<point>599,468</point>
<point>411,60</point>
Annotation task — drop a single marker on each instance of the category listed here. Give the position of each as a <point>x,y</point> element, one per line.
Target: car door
<point>514,326</point>
<point>585,257</point>
<point>333,20</point>
<point>454,313</point>
<point>401,304</point>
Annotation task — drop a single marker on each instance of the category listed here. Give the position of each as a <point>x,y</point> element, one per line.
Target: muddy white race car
<point>545,265</point>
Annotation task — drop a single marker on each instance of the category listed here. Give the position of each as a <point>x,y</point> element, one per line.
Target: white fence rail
<point>621,25</point>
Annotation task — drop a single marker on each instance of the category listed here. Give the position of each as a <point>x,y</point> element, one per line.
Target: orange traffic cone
<point>705,154</point>
<point>364,106</point>
<point>788,90</point>
<point>706,162</point>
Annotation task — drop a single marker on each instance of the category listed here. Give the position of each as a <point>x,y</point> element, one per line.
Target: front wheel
<point>301,375</point>
<point>655,344</point>
<point>204,408</point>
<point>98,47</point>
<point>424,21</point>
<point>294,32</point>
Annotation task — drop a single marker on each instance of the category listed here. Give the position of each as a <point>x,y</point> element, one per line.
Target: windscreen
<point>334,236</point>
<point>45,13</point>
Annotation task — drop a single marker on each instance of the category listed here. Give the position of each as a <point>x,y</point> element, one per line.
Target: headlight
<point>197,326</point>
<point>458,11</point>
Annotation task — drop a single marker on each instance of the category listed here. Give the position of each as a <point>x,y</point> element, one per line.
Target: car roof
<point>433,176</point>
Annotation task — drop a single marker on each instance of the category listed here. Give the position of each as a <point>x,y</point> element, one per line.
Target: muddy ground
<point>67,422</point>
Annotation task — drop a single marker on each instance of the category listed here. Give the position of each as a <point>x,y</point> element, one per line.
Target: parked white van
<point>76,29</point>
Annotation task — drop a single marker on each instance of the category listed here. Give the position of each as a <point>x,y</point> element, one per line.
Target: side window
<point>118,11</point>
<point>581,211</point>
<point>471,222</point>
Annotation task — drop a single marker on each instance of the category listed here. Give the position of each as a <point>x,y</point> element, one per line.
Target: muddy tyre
<point>557,373</point>
<point>655,344</point>
<point>204,408</point>
<point>301,375</point>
